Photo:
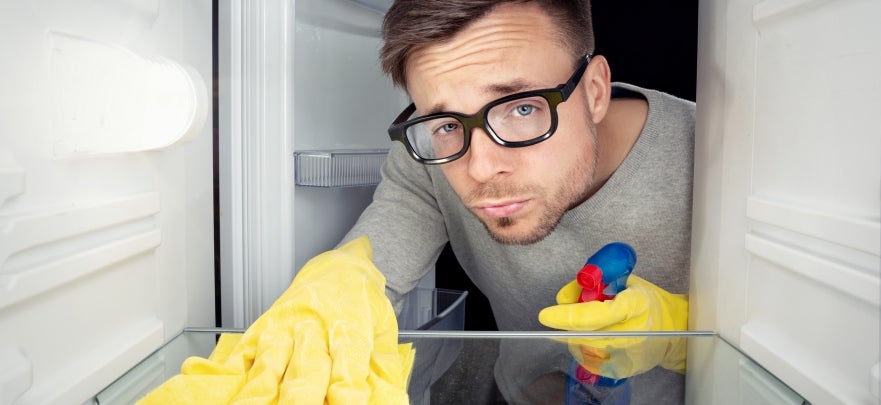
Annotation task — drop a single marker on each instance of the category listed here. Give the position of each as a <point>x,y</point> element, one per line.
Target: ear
<point>597,82</point>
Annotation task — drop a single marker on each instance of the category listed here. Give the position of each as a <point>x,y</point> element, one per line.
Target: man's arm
<point>404,224</point>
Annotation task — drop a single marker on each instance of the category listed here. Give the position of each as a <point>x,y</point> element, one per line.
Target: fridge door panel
<point>786,255</point>
<point>106,243</point>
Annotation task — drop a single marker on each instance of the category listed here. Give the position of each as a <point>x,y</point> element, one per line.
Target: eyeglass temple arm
<point>405,114</point>
<point>570,86</point>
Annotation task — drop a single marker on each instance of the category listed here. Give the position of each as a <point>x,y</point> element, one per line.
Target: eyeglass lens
<point>518,120</point>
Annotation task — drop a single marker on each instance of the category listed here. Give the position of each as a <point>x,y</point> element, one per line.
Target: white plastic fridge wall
<point>342,101</point>
<point>106,244</point>
<point>786,254</point>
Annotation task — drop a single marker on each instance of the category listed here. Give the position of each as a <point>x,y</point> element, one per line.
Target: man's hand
<point>641,307</point>
<point>332,338</point>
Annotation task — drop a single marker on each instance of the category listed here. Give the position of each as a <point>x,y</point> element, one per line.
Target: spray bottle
<point>603,276</point>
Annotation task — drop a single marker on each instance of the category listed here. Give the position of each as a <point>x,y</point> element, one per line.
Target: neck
<point>616,135</point>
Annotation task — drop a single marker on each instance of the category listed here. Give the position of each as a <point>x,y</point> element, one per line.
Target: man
<point>526,184</point>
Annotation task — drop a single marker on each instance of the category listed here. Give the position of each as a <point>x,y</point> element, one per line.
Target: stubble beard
<point>568,196</point>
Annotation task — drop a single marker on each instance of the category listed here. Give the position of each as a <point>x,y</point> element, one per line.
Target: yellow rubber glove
<point>641,307</point>
<point>331,337</point>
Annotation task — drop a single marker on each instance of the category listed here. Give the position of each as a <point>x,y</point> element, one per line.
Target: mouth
<point>500,209</point>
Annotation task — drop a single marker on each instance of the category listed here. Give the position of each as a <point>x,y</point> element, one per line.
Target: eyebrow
<point>496,89</point>
<point>504,89</point>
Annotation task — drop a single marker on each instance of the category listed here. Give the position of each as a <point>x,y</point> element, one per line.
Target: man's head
<point>412,24</point>
<point>493,50</point>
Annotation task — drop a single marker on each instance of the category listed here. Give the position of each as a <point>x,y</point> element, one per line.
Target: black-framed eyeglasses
<point>513,121</point>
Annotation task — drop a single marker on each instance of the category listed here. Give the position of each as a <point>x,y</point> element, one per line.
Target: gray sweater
<point>645,203</point>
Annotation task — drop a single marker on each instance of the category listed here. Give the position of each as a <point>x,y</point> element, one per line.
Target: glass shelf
<point>466,367</point>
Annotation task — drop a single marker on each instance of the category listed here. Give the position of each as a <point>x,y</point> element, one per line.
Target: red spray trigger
<point>590,278</point>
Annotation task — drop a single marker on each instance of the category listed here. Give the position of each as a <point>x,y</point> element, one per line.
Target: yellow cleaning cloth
<point>332,337</point>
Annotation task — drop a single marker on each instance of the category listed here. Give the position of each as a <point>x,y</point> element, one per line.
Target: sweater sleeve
<point>403,223</point>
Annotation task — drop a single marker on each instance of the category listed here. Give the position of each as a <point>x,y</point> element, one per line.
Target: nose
<point>487,159</point>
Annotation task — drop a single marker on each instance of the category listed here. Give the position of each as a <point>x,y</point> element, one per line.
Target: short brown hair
<point>412,24</point>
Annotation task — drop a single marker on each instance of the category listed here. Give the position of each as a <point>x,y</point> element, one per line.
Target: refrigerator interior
<point>107,178</point>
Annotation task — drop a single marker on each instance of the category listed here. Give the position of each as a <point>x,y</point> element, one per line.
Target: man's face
<point>519,194</point>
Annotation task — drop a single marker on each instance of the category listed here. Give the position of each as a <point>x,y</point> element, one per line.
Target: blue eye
<point>445,128</point>
<point>449,127</point>
<point>525,109</point>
